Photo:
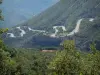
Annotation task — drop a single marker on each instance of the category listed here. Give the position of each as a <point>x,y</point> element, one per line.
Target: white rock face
<point>56,30</point>
<point>76,28</point>
<point>63,27</point>
<point>30,29</point>
<point>11,35</point>
<point>91,19</point>
<point>53,35</point>
<point>22,31</point>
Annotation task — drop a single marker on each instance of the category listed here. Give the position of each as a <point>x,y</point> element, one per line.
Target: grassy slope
<point>89,31</point>
<point>67,13</point>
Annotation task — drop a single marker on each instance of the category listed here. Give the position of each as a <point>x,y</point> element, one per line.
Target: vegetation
<point>7,65</point>
<point>64,13</point>
<point>73,62</point>
<point>68,61</point>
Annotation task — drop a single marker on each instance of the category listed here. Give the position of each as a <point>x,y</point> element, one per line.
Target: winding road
<point>76,30</point>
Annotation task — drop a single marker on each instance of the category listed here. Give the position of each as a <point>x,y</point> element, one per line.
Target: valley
<point>73,19</point>
<point>62,40</point>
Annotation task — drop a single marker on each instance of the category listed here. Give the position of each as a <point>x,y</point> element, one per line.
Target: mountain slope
<point>64,14</point>
<point>17,11</point>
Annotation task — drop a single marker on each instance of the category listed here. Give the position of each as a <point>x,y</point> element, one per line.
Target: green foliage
<point>66,62</point>
<point>93,47</point>
<point>31,62</point>
<point>69,45</point>
<point>0,1</point>
<point>7,64</point>
<point>3,30</point>
<point>73,62</point>
<point>1,17</point>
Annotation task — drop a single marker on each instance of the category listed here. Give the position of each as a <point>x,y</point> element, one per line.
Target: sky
<point>18,11</point>
<point>27,6</point>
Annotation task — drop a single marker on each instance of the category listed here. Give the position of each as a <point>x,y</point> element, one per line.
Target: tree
<point>7,65</point>
<point>93,47</point>
<point>73,62</point>
<point>1,17</point>
<point>66,61</point>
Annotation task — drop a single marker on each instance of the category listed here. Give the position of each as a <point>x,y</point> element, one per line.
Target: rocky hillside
<point>67,19</point>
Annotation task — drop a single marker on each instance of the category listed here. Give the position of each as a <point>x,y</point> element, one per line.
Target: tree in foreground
<point>73,62</point>
<point>7,65</point>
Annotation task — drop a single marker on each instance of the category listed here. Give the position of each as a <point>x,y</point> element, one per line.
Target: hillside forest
<point>66,60</point>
